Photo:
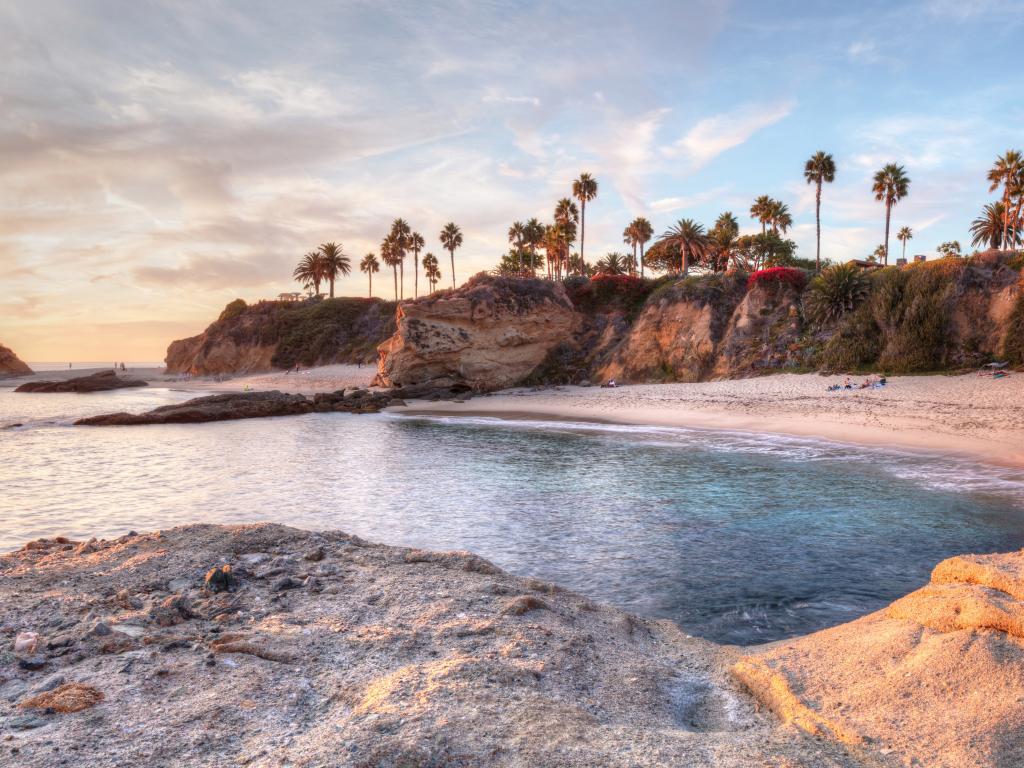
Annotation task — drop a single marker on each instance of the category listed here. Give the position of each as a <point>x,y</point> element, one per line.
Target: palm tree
<point>533,238</point>
<point>612,264</point>
<point>368,266</point>
<point>517,237</point>
<point>820,169</point>
<point>389,253</point>
<point>1017,192</point>
<point>1005,172</point>
<point>310,271</point>
<point>762,211</point>
<point>691,240</point>
<point>335,262</point>
<point>890,185</point>
<point>631,237</point>
<point>644,233</point>
<point>402,233</point>
<point>722,238</point>
<point>451,238</point>
<point>431,270</point>
<point>779,216</point>
<point>416,244</point>
<point>989,227</point>
<point>905,233</point>
<point>584,189</point>
<point>567,216</point>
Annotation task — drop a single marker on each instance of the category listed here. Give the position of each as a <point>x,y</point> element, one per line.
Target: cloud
<point>670,204</point>
<point>714,135</point>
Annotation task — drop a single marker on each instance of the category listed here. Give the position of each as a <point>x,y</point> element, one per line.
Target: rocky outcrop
<point>226,407</point>
<point>11,365</point>
<point>489,334</point>
<point>274,334</point>
<point>325,649</point>
<point>934,679</point>
<point>96,382</point>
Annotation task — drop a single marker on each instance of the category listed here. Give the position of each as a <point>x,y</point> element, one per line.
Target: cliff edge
<point>11,364</point>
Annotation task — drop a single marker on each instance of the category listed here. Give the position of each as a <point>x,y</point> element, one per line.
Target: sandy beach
<point>968,414</point>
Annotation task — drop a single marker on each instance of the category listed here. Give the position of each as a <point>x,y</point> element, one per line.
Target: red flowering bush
<point>778,276</point>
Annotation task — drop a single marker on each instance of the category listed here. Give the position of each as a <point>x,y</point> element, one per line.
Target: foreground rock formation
<point>275,334</point>
<point>491,333</point>
<point>11,364</point>
<point>97,382</point>
<point>322,649</point>
<point>935,679</point>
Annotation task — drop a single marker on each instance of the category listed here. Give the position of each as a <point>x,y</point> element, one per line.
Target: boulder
<point>11,365</point>
<point>97,382</point>
<point>936,678</point>
<point>489,334</point>
<point>226,407</point>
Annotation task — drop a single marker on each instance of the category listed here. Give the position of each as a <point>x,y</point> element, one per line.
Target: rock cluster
<point>11,365</point>
<point>935,679</point>
<point>96,382</point>
<point>371,657</point>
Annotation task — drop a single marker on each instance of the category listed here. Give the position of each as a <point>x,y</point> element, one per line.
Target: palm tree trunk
<point>416,275</point>
<point>583,231</point>
<point>394,268</point>
<point>904,250</point>
<point>684,252</point>
<point>452,252</point>
<point>641,260</point>
<point>332,287</point>
<point>817,218</point>
<point>401,270</point>
<point>888,213</point>
<point>1006,211</point>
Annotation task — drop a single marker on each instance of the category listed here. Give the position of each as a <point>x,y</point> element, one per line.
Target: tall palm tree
<point>368,266</point>
<point>989,227</point>
<point>1017,193</point>
<point>905,233</point>
<point>416,244</point>
<point>762,211</point>
<point>533,238</point>
<point>451,238</point>
<point>631,238</point>
<point>779,217</point>
<point>431,270</point>
<point>890,185</point>
<point>1005,172</point>
<point>517,237</point>
<point>722,238</point>
<point>567,217</point>
<point>584,189</point>
<point>819,169</point>
<point>310,271</point>
<point>644,233</point>
<point>335,262</point>
<point>402,233</point>
<point>691,240</point>
<point>389,253</point>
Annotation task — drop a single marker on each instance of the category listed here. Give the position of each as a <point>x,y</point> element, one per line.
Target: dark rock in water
<point>237,405</point>
<point>97,382</point>
<point>433,391</point>
<point>220,579</point>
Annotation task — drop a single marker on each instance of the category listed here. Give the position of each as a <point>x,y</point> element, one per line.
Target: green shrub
<point>233,309</point>
<point>837,290</point>
<point>1013,345</point>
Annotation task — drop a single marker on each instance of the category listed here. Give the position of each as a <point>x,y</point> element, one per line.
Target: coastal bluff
<point>210,645</point>
<point>11,364</point>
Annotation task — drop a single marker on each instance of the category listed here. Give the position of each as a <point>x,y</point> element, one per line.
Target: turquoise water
<point>739,538</point>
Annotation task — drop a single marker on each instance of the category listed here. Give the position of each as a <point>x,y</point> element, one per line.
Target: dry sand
<point>967,414</point>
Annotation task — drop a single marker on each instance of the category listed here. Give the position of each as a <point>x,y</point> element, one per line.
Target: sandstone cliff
<point>274,334</point>
<point>489,334</point>
<point>11,365</point>
<point>935,679</point>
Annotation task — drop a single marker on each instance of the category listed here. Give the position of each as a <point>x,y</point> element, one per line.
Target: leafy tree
<point>819,169</point>
<point>890,185</point>
<point>369,266</point>
<point>905,234</point>
<point>950,249</point>
<point>451,238</point>
<point>584,189</point>
<point>763,251</point>
<point>335,262</point>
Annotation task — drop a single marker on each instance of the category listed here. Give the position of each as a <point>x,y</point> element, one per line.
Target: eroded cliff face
<point>489,334</point>
<point>275,334</point>
<point>11,364</point>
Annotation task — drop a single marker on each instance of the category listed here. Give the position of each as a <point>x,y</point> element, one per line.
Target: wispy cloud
<point>714,135</point>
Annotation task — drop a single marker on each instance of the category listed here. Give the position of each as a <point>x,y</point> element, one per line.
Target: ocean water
<point>739,538</point>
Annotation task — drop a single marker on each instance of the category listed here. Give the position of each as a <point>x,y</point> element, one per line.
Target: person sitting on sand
<point>847,384</point>
<point>610,384</point>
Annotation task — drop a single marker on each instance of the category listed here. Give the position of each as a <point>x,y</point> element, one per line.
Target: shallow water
<point>739,538</point>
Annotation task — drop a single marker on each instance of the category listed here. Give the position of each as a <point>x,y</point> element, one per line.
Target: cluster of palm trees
<point>329,261</point>
<point>1001,224</point>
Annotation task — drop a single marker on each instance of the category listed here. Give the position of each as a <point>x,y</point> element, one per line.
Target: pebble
<point>32,663</point>
<point>314,555</point>
<point>285,582</point>
<point>99,629</point>
<point>26,642</point>
<point>26,722</point>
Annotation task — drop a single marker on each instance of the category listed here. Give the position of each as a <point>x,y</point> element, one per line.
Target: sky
<point>159,159</point>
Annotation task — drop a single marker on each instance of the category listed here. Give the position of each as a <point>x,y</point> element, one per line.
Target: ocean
<point>739,538</point>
